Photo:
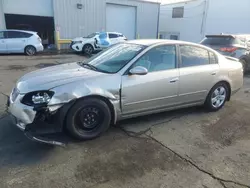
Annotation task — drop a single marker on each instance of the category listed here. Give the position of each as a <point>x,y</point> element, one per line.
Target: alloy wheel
<point>30,50</point>
<point>218,97</point>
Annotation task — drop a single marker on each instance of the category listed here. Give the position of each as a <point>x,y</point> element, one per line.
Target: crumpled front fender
<point>65,94</point>
<point>71,92</point>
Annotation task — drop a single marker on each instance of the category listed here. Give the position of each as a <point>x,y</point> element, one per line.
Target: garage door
<point>121,19</point>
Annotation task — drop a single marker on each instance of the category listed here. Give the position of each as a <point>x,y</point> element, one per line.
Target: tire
<point>88,119</point>
<point>88,49</point>
<point>215,103</point>
<point>30,50</point>
<point>244,65</point>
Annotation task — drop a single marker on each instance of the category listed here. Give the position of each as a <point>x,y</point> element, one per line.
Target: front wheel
<point>88,49</point>
<point>217,97</point>
<point>87,119</point>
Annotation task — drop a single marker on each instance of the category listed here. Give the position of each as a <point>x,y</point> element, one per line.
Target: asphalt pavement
<point>183,148</point>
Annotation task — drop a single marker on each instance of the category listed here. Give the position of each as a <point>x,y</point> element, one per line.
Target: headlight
<point>37,98</point>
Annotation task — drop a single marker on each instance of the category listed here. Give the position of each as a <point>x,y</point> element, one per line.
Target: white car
<point>96,41</point>
<point>19,41</point>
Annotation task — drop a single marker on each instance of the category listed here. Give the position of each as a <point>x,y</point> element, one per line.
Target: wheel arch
<point>228,86</point>
<point>88,44</point>
<point>68,106</point>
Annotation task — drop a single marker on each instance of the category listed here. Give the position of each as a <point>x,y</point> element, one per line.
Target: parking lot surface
<point>184,148</point>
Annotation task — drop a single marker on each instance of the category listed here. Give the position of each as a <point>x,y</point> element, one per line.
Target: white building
<point>75,18</point>
<point>192,20</point>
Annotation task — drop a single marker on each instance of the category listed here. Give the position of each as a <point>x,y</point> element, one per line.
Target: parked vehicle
<point>96,41</point>
<point>230,45</point>
<point>128,79</point>
<point>20,41</point>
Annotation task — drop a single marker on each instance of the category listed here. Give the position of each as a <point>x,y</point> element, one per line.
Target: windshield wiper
<point>92,67</point>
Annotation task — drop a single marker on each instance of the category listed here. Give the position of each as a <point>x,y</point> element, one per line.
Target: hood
<point>47,78</point>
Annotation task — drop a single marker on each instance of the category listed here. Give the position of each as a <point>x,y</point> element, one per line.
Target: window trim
<point>147,50</point>
<point>216,58</point>
<point>5,35</point>
<point>180,59</point>
<point>174,13</point>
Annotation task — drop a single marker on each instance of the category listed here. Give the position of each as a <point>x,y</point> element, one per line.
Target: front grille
<point>14,94</point>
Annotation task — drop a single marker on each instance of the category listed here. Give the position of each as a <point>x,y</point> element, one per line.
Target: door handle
<point>213,73</point>
<point>174,80</point>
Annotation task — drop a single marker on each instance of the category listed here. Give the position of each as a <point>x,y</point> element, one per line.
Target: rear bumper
<point>39,47</point>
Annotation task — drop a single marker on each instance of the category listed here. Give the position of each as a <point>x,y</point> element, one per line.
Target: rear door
<point>16,41</point>
<point>198,71</point>
<point>3,45</point>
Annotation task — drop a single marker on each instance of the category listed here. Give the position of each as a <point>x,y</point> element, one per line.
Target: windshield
<point>91,35</point>
<point>114,58</point>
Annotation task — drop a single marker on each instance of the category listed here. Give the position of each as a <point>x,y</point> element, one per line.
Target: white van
<point>19,41</point>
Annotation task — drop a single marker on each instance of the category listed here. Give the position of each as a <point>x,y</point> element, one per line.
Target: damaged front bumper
<point>38,123</point>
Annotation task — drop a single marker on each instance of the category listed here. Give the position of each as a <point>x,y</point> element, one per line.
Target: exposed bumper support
<point>44,140</point>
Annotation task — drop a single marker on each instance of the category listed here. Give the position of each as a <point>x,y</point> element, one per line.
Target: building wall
<point>226,16</point>
<point>203,17</point>
<point>190,26</point>
<point>2,20</point>
<point>73,22</point>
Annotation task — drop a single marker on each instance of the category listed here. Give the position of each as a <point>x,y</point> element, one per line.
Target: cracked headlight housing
<point>37,98</point>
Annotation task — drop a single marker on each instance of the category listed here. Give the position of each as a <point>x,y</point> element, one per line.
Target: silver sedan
<point>129,79</point>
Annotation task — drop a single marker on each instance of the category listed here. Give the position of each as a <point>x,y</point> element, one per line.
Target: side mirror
<point>139,70</point>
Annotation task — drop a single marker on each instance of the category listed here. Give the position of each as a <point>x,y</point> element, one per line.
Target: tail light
<point>39,39</point>
<point>230,49</point>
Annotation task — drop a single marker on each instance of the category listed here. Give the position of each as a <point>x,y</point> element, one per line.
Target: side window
<point>193,56</point>
<point>14,34</point>
<point>213,59</point>
<point>158,59</point>
<point>112,35</point>
<point>2,35</point>
<point>103,35</point>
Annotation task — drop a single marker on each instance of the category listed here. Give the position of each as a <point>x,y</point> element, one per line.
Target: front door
<point>3,45</point>
<point>156,90</point>
<point>197,73</point>
<point>16,42</point>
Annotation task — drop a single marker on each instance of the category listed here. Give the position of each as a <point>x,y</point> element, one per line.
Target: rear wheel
<point>88,49</point>
<point>87,119</point>
<point>30,50</point>
<point>217,97</point>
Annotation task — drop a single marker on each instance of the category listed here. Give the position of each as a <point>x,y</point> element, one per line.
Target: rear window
<point>218,41</point>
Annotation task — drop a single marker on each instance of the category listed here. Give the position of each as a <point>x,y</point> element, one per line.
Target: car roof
<point>31,32</point>
<point>150,42</point>
<point>222,35</point>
